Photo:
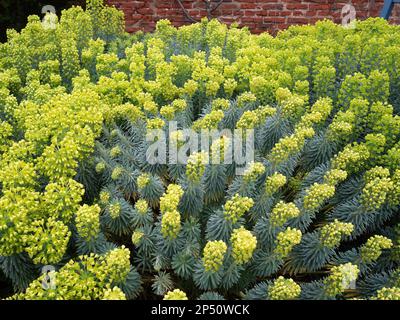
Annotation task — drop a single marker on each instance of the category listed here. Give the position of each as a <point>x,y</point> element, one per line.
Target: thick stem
<point>186,13</point>
<point>217,6</point>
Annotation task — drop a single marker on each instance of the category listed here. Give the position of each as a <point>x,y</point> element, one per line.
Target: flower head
<point>236,207</point>
<point>340,278</point>
<point>213,255</point>
<point>284,289</point>
<point>286,240</point>
<point>372,249</point>
<point>331,234</point>
<point>176,294</point>
<point>243,245</point>
<point>283,212</point>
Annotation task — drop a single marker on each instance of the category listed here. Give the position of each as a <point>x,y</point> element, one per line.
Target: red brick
<point>298,20</point>
<point>274,19</point>
<point>258,15</point>
<point>297,6</point>
<point>248,6</point>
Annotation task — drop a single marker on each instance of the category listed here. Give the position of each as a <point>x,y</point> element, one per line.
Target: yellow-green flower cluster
<point>106,63</point>
<point>254,170</point>
<point>196,165</point>
<point>84,279</point>
<point>246,98</point>
<point>304,133</point>
<point>179,105</point>
<point>104,197</point>
<point>220,104</point>
<point>375,192</point>
<point>137,236</point>
<point>335,176</point>
<point>253,118</point>
<point>117,173</point>
<point>331,234</point>
<point>15,207</point>
<point>115,210</point>
<point>229,86</point>
<point>100,167</point>
<point>219,149</point>
<point>282,212</point>
<point>46,242</point>
<point>292,105</point>
<point>6,131</point>
<point>141,206</point>
<point>56,126</point>
<point>88,221</point>
<point>318,113</point>
<point>388,294</point>
<point>376,173</point>
<point>171,224</point>
<point>394,194</point>
<point>375,143</point>
<point>69,122</point>
<point>114,294</point>
<point>274,183</point>
<point>262,88</point>
<point>213,255</point>
<point>284,148</point>
<point>115,152</point>
<point>290,145</point>
<point>124,111</point>
<point>170,200</point>
<point>340,279</point>
<point>167,112</point>
<point>243,245</point>
<point>212,88</point>
<point>317,194</point>
<point>209,121</point>
<point>176,138</point>
<point>176,294</point>
<point>236,207</point>
<point>143,180</point>
<point>372,249</point>
<point>155,54</point>
<point>18,174</point>
<point>284,289</point>
<point>286,240</point>
<point>339,130</point>
<point>351,158</point>
<point>60,158</point>
<point>190,87</point>
<point>263,112</point>
<point>342,126</point>
<point>248,120</point>
<point>62,198</point>
<point>117,264</point>
<point>151,107</point>
<point>155,124</point>
<point>392,157</point>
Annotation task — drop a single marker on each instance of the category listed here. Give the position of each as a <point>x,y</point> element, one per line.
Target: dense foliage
<point>315,216</point>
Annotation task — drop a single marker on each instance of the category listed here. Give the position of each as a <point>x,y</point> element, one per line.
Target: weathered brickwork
<point>259,16</point>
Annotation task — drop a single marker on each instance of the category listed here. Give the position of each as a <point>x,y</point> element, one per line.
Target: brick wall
<point>267,15</point>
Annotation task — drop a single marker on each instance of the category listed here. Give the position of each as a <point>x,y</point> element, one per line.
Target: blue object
<point>387,8</point>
